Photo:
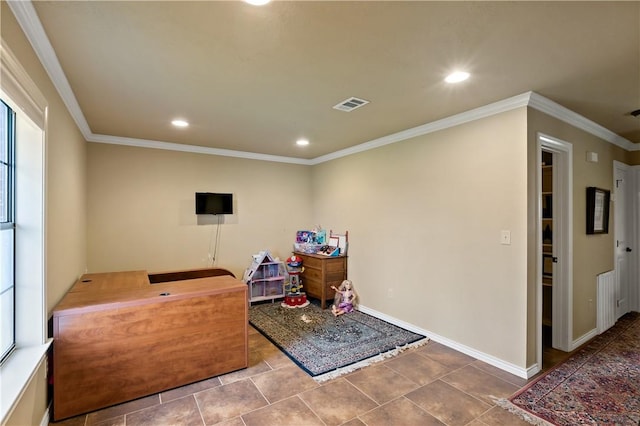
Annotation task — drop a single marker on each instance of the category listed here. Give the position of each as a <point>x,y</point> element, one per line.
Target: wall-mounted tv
<point>213,203</point>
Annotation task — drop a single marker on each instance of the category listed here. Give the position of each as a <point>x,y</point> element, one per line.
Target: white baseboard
<point>489,359</point>
<point>533,370</point>
<point>392,320</point>
<point>583,339</point>
<point>45,417</point>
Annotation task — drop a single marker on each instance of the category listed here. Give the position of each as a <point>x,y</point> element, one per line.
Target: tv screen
<point>212,203</point>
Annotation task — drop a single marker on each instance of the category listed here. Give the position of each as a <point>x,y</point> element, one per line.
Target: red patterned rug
<point>599,385</point>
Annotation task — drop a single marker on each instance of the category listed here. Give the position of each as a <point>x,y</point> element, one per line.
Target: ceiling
<point>255,79</point>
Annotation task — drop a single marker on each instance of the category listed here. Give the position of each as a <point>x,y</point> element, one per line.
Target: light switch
<point>505,237</point>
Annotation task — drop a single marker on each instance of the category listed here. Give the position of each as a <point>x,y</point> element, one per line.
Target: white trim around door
<point>562,291</point>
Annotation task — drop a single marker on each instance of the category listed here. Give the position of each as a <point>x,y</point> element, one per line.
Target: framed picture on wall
<point>598,210</point>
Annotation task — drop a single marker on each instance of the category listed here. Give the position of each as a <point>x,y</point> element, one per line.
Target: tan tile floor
<point>430,385</point>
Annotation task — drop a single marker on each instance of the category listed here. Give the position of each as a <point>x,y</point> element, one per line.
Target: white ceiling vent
<point>350,104</point>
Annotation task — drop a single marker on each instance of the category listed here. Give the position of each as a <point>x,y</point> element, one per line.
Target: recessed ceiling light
<point>257,2</point>
<point>457,77</point>
<point>302,142</point>
<point>180,123</point>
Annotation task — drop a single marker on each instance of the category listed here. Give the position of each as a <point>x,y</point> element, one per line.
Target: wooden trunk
<point>320,273</point>
<point>117,337</point>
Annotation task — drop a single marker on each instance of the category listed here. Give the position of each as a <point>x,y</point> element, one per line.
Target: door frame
<point>634,275</point>
<point>630,230</point>
<point>562,291</point>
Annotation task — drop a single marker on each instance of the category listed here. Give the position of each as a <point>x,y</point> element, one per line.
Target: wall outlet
<point>390,293</point>
<point>505,237</point>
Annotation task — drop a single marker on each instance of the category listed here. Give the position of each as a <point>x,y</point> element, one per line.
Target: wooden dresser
<point>117,337</point>
<point>320,273</point>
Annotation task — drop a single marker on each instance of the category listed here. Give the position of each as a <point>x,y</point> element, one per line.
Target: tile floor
<point>430,385</point>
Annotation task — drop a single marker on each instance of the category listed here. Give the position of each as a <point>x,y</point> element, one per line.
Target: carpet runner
<point>599,385</point>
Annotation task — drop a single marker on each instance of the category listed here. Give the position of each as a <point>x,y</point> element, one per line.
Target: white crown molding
<point>445,123</point>
<point>556,110</point>
<point>31,25</point>
<point>17,84</point>
<point>145,143</point>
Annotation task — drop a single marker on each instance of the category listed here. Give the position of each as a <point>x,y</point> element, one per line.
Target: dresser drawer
<point>335,265</point>
<point>312,262</point>
<point>312,274</point>
<point>335,277</point>
<point>312,288</point>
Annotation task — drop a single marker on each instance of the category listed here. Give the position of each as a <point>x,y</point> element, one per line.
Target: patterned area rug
<point>326,346</point>
<point>599,385</point>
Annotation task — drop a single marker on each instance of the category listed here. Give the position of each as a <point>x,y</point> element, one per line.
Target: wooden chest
<point>320,273</point>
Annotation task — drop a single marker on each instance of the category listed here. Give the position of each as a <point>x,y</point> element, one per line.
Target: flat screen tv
<point>213,203</point>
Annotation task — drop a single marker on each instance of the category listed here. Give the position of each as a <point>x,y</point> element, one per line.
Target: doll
<point>345,298</point>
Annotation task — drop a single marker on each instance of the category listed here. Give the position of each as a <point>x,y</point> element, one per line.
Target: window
<point>7,231</point>
<point>23,112</point>
<point>22,291</point>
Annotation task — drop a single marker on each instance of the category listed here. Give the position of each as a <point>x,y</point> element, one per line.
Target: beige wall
<point>65,190</point>
<point>424,219</point>
<point>141,209</point>
<point>634,158</point>
<point>592,254</point>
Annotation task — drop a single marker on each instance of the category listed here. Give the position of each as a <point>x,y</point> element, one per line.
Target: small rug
<point>326,346</point>
<point>599,385</point>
